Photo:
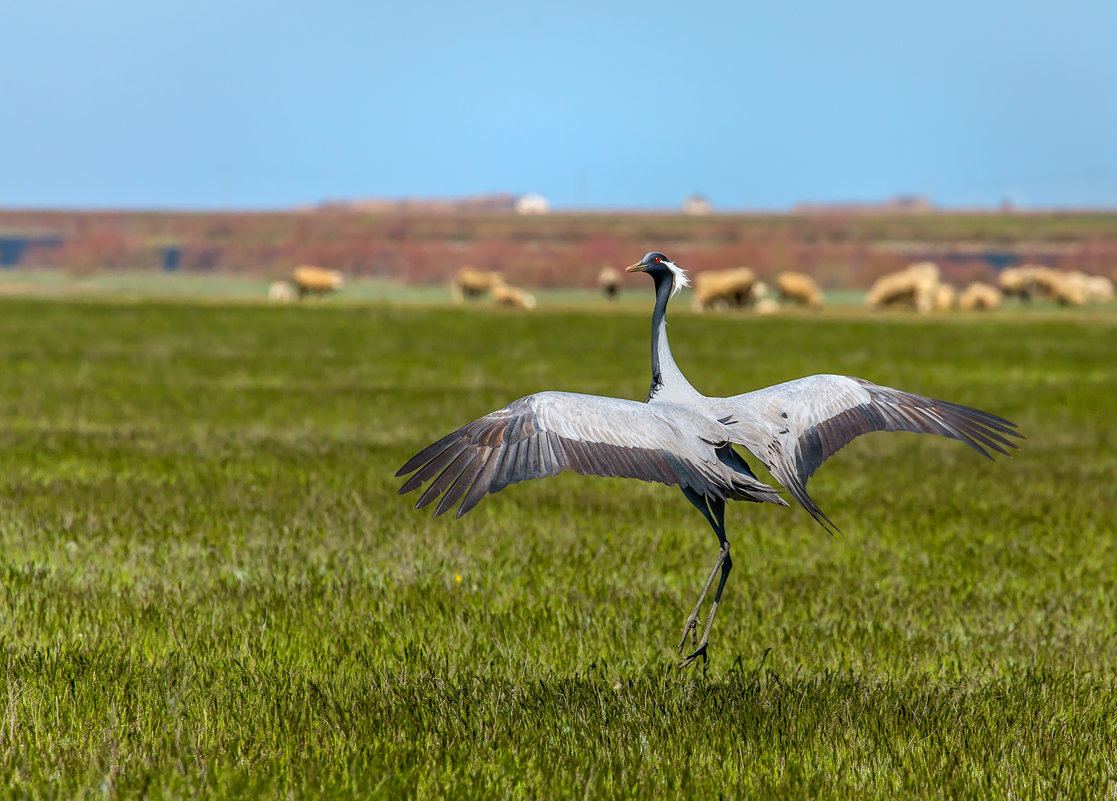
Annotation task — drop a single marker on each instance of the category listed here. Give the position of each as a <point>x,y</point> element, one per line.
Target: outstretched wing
<point>794,427</point>
<point>546,433</point>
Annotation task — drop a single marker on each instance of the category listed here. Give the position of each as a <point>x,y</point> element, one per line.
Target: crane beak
<point>639,267</point>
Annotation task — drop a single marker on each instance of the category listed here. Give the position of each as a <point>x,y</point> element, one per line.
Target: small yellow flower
<point>458,578</point>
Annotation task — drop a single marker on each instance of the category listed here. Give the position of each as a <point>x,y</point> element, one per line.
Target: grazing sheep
<point>1077,288</point>
<point>471,284</point>
<point>913,287</point>
<point>281,292</point>
<point>504,295</point>
<point>800,289</point>
<point>310,280</point>
<point>1022,282</point>
<point>1065,288</point>
<point>944,298</point>
<point>729,289</point>
<point>1031,280</point>
<point>979,296</point>
<point>610,282</point>
<point>1057,285</point>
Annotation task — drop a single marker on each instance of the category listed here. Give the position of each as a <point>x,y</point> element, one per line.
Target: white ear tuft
<point>678,277</point>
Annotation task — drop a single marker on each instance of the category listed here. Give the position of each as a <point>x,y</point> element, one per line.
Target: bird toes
<point>700,652</point>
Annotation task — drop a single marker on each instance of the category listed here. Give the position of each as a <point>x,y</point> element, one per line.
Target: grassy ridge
<point>426,247</point>
<point>211,588</point>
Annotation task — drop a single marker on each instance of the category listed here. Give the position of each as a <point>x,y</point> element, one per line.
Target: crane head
<point>659,267</point>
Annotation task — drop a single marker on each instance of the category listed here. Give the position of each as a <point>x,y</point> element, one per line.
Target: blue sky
<point>626,104</point>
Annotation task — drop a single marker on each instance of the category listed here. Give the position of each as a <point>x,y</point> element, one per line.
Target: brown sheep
<point>731,289</point>
<point>913,287</point>
<point>309,280</point>
<point>979,296</point>
<point>800,289</point>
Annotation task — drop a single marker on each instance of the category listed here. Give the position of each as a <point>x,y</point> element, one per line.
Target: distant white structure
<point>532,204</point>
<point>697,205</point>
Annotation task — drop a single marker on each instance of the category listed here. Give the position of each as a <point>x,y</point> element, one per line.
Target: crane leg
<point>714,511</point>
<point>726,566</point>
<point>691,626</point>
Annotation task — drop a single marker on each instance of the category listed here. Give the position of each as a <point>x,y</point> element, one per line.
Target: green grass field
<point>211,589</point>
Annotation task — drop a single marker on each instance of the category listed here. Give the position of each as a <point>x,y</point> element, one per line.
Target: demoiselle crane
<point>682,438</point>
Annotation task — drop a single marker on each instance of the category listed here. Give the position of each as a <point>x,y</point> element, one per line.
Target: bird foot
<point>691,627</point>
<point>700,652</point>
